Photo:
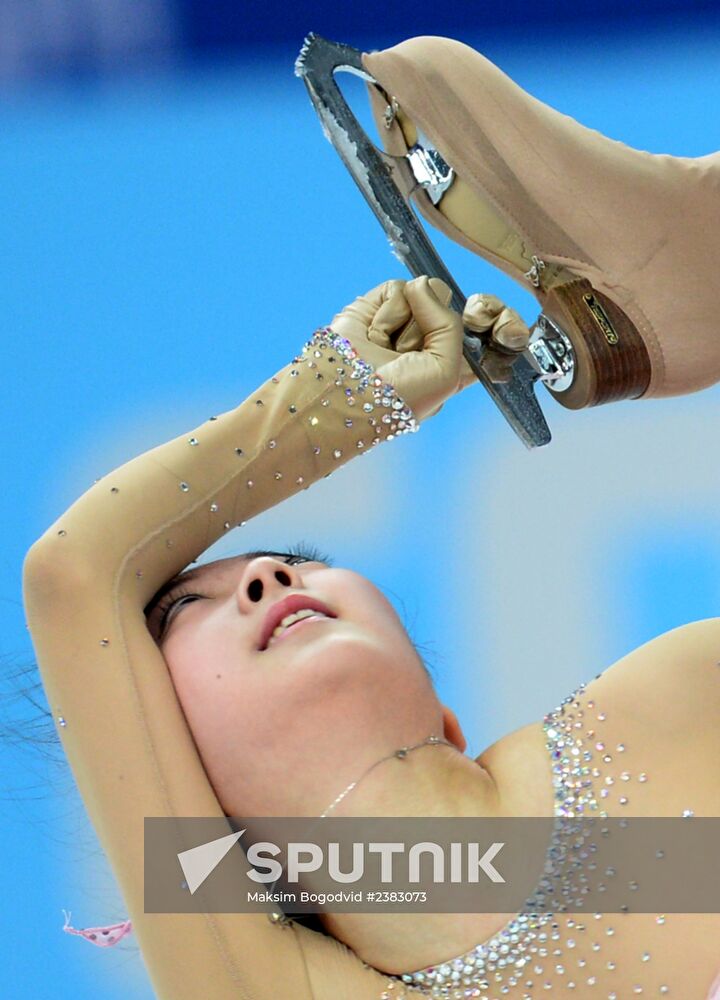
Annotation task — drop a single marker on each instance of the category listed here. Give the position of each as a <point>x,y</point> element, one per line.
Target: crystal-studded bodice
<point>588,955</point>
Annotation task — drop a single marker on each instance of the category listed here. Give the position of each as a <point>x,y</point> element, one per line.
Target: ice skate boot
<point>618,245</point>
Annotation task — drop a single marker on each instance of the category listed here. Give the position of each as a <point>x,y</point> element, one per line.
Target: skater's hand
<point>507,329</point>
<point>407,331</point>
<point>411,337</point>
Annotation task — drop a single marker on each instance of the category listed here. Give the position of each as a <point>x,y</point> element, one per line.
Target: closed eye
<point>169,608</point>
<point>167,603</point>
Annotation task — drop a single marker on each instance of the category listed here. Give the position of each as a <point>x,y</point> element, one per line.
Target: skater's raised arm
<point>388,361</point>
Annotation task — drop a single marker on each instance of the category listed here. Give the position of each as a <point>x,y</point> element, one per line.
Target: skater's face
<point>275,717</point>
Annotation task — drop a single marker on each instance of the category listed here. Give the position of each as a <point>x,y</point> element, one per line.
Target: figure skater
<point>273,683</point>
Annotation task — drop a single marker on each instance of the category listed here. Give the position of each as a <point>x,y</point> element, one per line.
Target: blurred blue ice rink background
<point>173,227</point>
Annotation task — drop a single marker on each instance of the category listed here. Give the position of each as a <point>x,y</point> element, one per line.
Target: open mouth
<point>288,614</point>
<point>282,630</point>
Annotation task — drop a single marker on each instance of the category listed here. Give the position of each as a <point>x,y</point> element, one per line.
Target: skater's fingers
<point>392,313</point>
<point>425,377</point>
<point>481,311</point>
<point>412,338</point>
<point>440,326</point>
<point>363,310</point>
<point>442,291</point>
<point>511,331</point>
<point>488,312</point>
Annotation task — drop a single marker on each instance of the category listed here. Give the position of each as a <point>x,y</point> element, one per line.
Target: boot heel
<point>611,360</point>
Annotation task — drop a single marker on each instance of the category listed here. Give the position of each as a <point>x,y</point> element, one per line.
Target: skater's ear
<point>452,730</point>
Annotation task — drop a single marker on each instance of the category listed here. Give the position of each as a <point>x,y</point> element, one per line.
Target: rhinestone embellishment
<point>365,382</point>
<point>519,960</point>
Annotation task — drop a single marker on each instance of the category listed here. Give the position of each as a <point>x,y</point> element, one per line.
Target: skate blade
<point>387,183</point>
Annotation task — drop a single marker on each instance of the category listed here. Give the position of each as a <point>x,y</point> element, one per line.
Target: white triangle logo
<point>199,862</point>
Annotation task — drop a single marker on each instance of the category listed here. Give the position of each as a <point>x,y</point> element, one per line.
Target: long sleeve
<point>86,583</point>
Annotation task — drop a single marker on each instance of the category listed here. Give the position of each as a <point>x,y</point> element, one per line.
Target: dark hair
<point>26,723</point>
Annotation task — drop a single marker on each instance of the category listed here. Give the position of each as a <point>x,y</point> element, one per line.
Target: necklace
<point>277,916</point>
<point>400,754</point>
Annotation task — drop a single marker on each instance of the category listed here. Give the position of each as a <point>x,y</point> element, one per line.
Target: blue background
<point>173,227</point>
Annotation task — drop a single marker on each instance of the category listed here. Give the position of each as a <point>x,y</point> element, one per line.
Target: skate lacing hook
<point>538,266</point>
<point>390,112</point>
